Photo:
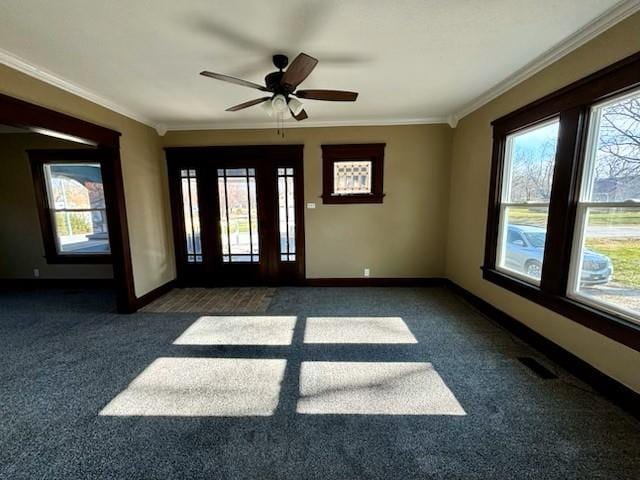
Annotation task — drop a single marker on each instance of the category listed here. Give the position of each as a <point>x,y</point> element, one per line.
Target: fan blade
<point>248,104</point>
<point>329,95</point>
<point>237,81</point>
<point>299,69</point>
<point>301,116</point>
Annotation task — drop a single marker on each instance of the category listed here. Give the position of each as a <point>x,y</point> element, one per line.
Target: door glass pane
<point>189,186</point>
<point>76,200</point>
<point>528,174</point>
<point>286,215</point>
<point>238,215</point>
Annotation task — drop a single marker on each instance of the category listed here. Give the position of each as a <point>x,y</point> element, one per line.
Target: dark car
<point>525,249</point>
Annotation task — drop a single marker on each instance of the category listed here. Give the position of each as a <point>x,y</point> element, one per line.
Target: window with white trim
<point>605,267</point>
<point>524,210</point>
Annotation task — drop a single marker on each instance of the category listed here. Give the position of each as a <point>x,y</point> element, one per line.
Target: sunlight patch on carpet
<point>357,330</point>
<point>374,388</point>
<point>202,387</point>
<point>239,330</point>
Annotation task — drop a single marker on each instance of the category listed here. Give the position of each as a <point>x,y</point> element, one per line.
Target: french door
<point>237,214</point>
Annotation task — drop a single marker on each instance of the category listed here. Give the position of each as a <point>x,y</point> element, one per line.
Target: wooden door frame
<point>22,114</point>
<point>204,158</point>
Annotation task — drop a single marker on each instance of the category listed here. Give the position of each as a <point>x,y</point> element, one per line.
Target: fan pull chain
<point>280,125</point>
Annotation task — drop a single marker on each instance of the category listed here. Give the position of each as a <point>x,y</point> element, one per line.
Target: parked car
<point>525,249</point>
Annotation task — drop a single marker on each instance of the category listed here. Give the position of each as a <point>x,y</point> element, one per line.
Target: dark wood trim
<point>38,158</point>
<point>377,282</point>
<point>337,153</point>
<point>563,202</point>
<point>609,325</point>
<point>198,154</point>
<point>12,284</point>
<point>154,294</point>
<point>594,88</point>
<point>606,386</point>
<point>350,199</point>
<point>571,105</point>
<point>300,226</point>
<point>20,113</point>
<point>23,114</point>
<point>264,158</point>
<point>493,213</point>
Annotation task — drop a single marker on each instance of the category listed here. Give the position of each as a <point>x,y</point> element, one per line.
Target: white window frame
<point>505,190</point>
<point>48,181</point>
<point>584,203</point>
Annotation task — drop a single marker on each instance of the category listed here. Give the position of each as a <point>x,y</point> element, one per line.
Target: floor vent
<point>537,368</point>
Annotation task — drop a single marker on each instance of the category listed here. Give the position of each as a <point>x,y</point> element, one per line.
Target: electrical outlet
<point>367,272</point>
<point>36,272</point>
<point>311,205</point>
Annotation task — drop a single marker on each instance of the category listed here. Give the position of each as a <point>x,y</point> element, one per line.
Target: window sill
<point>79,259</point>
<point>612,326</point>
<point>356,198</point>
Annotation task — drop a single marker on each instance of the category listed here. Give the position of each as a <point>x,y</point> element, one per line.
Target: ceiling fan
<point>282,86</point>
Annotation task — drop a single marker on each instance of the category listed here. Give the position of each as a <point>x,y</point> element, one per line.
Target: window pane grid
<point>238,215</point>
<point>191,210</point>
<point>605,263</point>
<point>286,215</point>
<point>524,209</point>
<point>76,203</point>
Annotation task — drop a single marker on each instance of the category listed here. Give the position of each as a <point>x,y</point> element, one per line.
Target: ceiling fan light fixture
<point>279,104</point>
<point>295,105</point>
<point>267,107</point>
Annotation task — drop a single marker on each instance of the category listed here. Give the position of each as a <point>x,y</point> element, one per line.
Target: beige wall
<point>403,237</point>
<point>144,175</point>
<point>469,193</point>
<point>21,245</point>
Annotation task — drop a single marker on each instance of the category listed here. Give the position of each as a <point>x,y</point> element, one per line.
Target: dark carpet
<point>66,357</point>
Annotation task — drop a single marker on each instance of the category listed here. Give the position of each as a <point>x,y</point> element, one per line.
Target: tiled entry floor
<point>213,300</point>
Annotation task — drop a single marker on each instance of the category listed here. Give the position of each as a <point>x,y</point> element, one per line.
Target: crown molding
<point>306,124</point>
<point>594,28</point>
<point>17,63</point>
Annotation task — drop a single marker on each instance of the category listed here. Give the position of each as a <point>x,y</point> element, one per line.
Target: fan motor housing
<point>272,81</point>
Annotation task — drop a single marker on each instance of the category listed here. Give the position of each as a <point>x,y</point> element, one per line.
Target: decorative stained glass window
<point>238,215</point>
<point>353,173</point>
<point>352,177</point>
<point>189,185</point>
<point>286,215</point>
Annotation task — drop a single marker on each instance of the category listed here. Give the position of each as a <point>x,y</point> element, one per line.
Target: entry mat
<point>213,300</point>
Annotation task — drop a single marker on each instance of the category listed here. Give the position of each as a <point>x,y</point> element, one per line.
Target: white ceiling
<point>411,60</point>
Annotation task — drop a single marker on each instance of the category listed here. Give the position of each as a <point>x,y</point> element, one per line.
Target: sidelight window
<point>189,185</point>
<point>286,215</point>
